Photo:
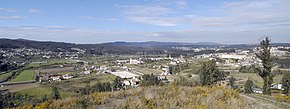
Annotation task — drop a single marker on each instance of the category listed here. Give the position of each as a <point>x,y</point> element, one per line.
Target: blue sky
<point>97,21</point>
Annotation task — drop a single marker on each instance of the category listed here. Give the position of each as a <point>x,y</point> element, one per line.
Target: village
<point>76,69</point>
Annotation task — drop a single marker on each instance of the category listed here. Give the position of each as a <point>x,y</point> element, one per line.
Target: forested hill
<point>90,48</point>
<point>114,47</point>
<point>49,45</point>
<point>22,43</point>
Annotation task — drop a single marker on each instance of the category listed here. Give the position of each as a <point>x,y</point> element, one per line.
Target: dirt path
<point>257,102</point>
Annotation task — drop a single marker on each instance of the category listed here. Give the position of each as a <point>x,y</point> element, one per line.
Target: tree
<point>267,61</point>
<point>171,69</point>
<point>286,83</point>
<point>55,94</point>
<point>232,82</point>
<point>248,86</point>
<point>209,73</point>
<point>148,80</point>
<point>117,83</point>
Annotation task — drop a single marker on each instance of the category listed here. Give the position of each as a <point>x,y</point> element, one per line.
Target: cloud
<point>158,21</point>
<point>181,4</point>
<point>69,34</point>
<point>34,11</point>
<point>150,14</point>
<point>7,10</point>
<point>86,17</point>
<point>155,35</point>
<point>12,17</point>
<point>113,19</point>
<point>146,10</point>
<point>244,15</point>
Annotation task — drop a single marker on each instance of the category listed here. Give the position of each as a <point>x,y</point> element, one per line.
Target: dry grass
<point>167,97</point>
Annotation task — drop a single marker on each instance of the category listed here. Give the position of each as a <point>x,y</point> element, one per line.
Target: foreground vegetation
<point>163,97</point>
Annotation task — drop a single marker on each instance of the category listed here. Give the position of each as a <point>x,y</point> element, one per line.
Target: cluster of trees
<point>7,66</point>
<point>210,74</point>
<point>173,69</point>
<point>248,69</point>
<point>11,100</point>
<point>103,87</point>
<point>149,80</point>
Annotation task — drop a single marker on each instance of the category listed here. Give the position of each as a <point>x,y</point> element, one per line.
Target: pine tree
<point>267,61</point>
<point>232,82</point>
<point>248,86</point>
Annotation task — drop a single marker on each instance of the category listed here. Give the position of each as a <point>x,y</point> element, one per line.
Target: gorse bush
<point>161,97</point>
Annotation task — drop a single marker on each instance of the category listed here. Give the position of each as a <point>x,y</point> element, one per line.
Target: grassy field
<point>19,87</point>
<point>5,76</point>
<point>26,75</point>
<point>42,91</point>
<point>49,62</point>
<point>256,78</point>
<point>80,82</point>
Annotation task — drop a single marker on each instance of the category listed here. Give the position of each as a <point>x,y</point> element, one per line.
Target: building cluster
<point>240,57</point>
<point>19,55</point>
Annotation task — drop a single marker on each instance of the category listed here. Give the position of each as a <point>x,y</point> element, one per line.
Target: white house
<point>55,78</point>
<point>276,86</point>
<point>134,61</point>
<point>66,76</point>
<point>257,90</point>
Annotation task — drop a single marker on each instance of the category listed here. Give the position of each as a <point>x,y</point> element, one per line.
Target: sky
<point>99,21</point>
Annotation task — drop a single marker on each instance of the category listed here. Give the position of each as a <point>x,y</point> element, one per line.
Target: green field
<point>26,75</point>
<point>49,62</point>
<point>256,78</point>
<point>5,76</point>
<point>42,91</point>
<point>81,81</point>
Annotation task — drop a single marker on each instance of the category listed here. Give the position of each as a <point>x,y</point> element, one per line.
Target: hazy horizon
<point>190,21</point>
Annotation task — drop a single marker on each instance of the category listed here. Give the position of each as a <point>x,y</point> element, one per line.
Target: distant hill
<point>162,44</point>
<point>21,43</point>
<point>90,48</point>
<point>151,47</point>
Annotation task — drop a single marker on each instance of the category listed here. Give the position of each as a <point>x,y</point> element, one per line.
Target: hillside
<point>162,97</point>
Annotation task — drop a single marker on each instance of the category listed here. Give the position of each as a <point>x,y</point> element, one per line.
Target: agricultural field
<point>254,77</point>
<point>42,62</point>
<point>91,78</point>
<point>26,75</point>
<point>42,91</point>
<point>55,70</point>
<point>5,76</point>
<point>19,87</point>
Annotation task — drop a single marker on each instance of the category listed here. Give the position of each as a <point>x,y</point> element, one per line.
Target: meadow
<point>254,77</point>
<point>26,75</point>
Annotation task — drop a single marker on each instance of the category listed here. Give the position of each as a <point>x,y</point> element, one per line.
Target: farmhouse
<point>134,61</point>
<point>66,76</point>
<point>56,78</point>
